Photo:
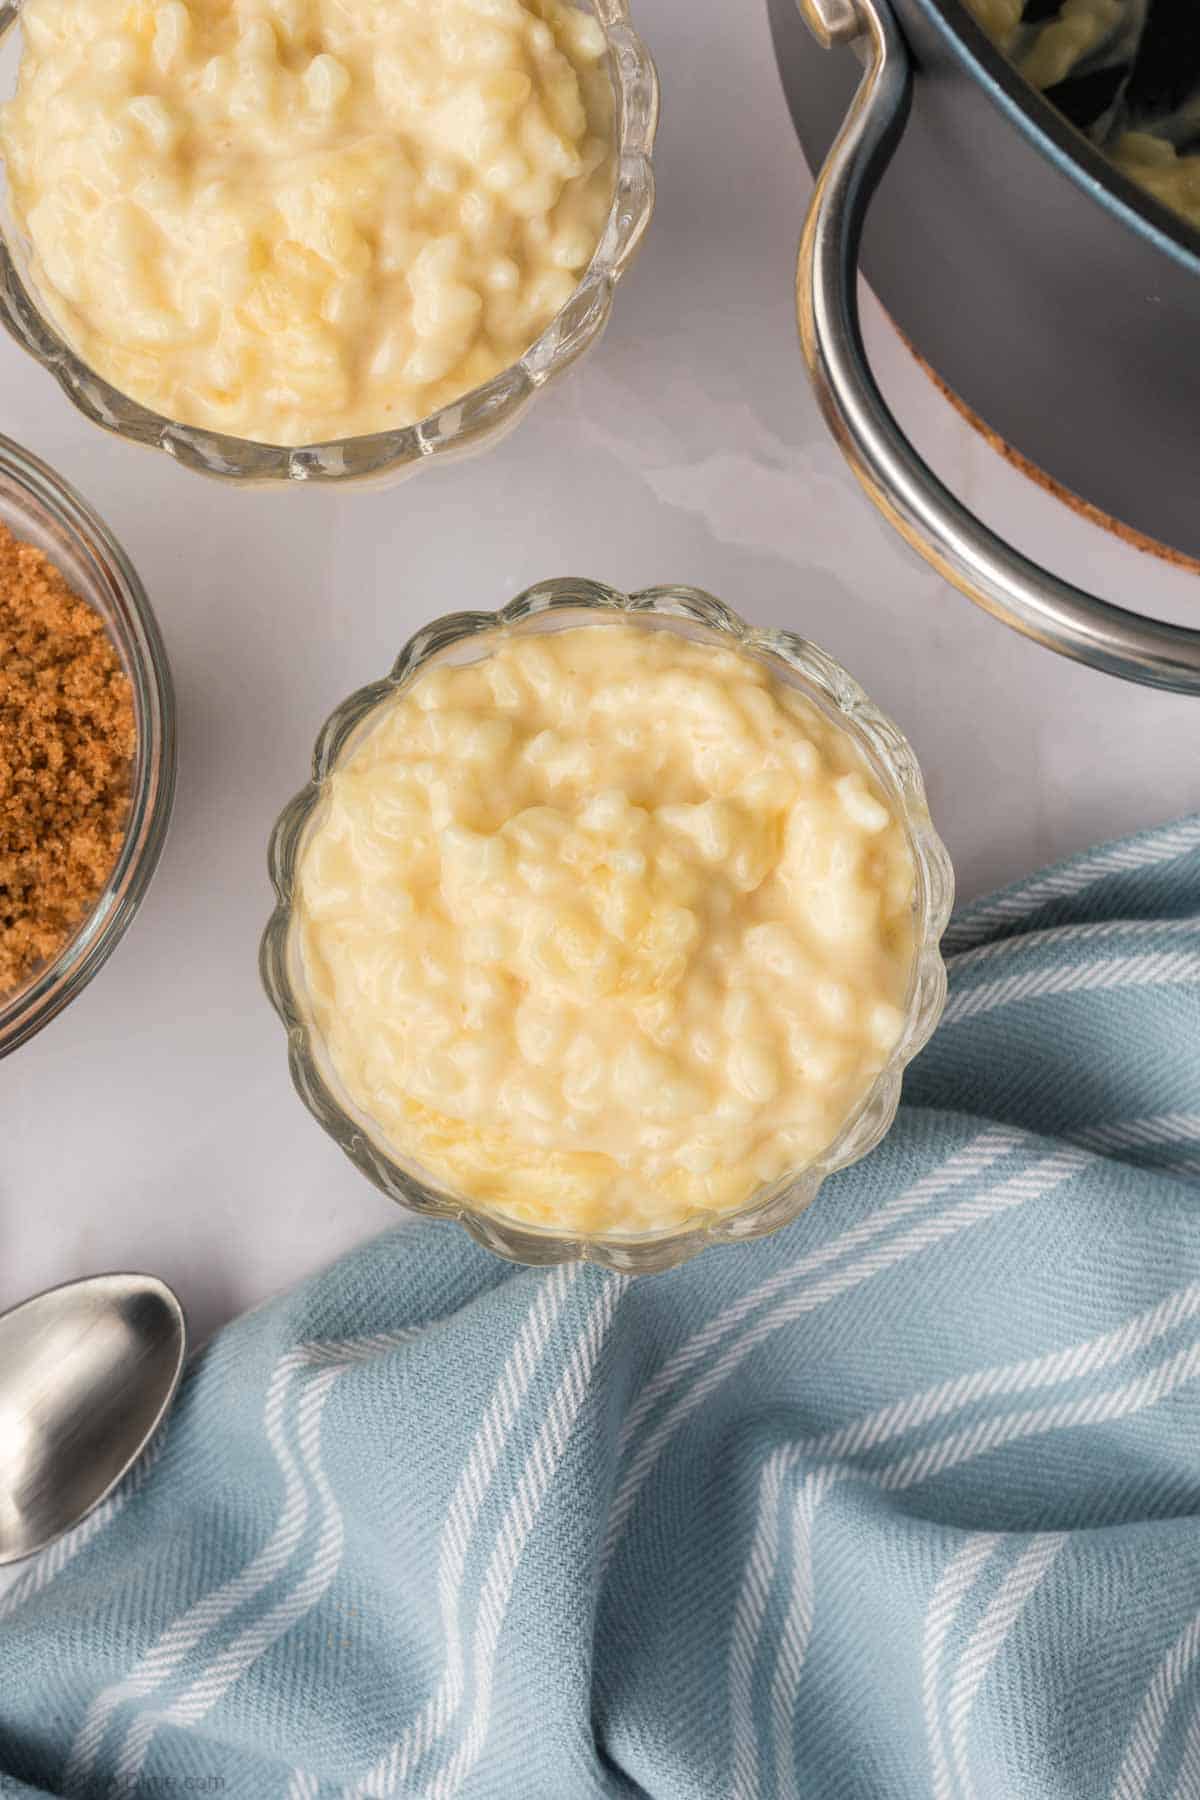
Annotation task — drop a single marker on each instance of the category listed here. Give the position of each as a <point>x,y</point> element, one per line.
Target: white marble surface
<point>153,1124</point>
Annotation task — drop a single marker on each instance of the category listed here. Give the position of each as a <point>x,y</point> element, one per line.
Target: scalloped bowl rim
<point>474,422</point>
<point>803,664</point>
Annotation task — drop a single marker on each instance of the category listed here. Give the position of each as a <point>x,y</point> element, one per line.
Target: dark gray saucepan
<point>1056,300</point>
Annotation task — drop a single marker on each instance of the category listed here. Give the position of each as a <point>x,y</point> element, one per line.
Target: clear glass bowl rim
<point>470,424</point>
<point>134,629</point>
<point>839,695</point>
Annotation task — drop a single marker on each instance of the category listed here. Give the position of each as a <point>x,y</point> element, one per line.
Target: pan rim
<point>1050,132</point>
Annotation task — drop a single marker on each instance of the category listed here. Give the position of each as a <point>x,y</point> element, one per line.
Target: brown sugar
<point>67,739</point>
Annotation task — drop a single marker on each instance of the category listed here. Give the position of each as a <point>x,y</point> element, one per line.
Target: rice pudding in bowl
<point>319,242</point>
<point>607,925</point>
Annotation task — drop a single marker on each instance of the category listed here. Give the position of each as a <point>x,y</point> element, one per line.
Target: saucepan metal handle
<point>958,545</point>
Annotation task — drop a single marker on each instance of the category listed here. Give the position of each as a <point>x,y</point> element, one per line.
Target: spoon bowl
<point>87,1373</point>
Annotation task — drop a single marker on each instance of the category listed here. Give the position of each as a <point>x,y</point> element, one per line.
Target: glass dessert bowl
<point>39,508</point>
<point>468,638</point>
<point>471,423</point>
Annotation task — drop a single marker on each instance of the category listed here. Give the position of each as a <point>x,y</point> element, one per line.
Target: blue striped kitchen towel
<point>904,1501</point>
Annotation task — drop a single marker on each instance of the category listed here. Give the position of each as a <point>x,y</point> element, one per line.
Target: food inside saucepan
<point>606,929</point>
<point>67,739</point>
<point>1127,72</point>
<point>302,220</point>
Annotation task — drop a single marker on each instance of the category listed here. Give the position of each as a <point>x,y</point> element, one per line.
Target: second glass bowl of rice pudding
<point>325,241</point>
<point>607,925</point>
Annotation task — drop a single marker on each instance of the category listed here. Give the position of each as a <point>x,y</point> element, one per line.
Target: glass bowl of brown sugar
<point>87,744</point>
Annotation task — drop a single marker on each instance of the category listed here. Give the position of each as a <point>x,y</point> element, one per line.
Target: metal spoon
<point>87,1372</point>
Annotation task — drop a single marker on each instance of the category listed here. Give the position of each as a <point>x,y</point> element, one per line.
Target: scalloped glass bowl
<point>473,423</point>
<point>555,605</point>
<point>40,508</point>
